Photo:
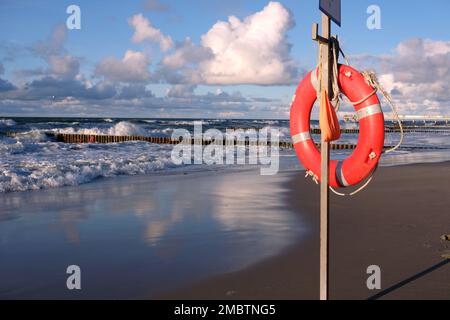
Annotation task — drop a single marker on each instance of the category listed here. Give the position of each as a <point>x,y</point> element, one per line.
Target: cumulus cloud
<point>53,96</point>
<point>62,66</point>
<point>144,31</point>
<point>220,103</point>
<point>417,74</point>
<point>59,86</point>
<point>52,51</point>
<point>134,91</point>
<point>132,68</point>
<point>54,44</point>
<point>254,50</point>
<point>5,86</point>
<point>186,93</point>
<point>181,91</point>
<point>66,66</point>
<point>182,66</point>
<point>187,54</point>
<point>429,59</point>
<point>50,88</point>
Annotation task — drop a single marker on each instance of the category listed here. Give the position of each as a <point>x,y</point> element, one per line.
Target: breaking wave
<point>40,165</point>
<point>122,128</point>
<point>7,123</point>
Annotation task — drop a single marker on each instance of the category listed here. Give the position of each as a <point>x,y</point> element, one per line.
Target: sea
<point>33,160</point>
<point>138,225</point>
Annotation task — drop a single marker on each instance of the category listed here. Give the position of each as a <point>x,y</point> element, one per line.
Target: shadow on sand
<point>409,280</point>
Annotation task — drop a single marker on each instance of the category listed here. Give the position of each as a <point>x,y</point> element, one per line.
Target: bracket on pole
<point>316,36</point>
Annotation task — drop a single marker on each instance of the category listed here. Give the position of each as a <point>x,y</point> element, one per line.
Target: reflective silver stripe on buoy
<point>301,137</point>
<point>315,80</point>
<point>340,175</point>
<point>369,111</point>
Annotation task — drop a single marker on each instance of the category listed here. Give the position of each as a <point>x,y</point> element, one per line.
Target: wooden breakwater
<point>85,138</point>
<point>317,131</point>
<point>394,130</point>
<point>104,139</point>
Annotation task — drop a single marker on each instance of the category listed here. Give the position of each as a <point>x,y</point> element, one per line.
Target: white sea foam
<point>32,136</point>
<point>267,122</point>
<point>32,161</point>
<point>31,166</point>
<point>7,123</point>
<point>188,122</point>
<point>126,129</point>
<point>253,133</point>
<point>122,128</point>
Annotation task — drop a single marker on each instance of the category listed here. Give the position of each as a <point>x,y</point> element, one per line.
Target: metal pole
<point>325,158</point>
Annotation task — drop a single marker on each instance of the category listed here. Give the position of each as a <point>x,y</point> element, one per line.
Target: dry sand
<point>395,224</point>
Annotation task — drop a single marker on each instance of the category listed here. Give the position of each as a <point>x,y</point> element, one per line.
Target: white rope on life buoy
<point>372,80</point>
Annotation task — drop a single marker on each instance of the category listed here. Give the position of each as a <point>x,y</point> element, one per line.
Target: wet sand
<point>395,224</point>
<point>140,235</point>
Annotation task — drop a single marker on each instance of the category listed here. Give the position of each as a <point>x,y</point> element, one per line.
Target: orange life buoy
<point>364,160</point>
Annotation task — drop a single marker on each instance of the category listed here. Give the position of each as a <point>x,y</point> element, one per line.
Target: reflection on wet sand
<point>407,158</point>
<point>141,235</point>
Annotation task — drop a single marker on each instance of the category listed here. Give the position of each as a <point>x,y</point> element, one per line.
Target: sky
<point>209,58</point>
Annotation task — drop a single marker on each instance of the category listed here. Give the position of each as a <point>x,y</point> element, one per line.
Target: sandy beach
<point>226,235</point>
<point>180,152</point>
<point>396,224</point>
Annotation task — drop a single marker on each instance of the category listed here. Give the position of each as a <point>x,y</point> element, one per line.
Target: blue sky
<point>87,57</point>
